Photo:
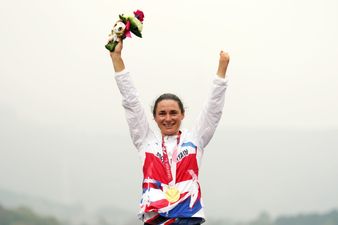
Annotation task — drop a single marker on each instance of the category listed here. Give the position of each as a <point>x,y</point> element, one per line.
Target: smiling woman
<point>171,158</point>
<point>168,113</point>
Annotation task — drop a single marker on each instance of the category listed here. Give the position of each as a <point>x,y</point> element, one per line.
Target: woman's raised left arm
<point>212,111</point>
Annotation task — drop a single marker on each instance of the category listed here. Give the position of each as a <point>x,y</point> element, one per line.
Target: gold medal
<point>172,194</point>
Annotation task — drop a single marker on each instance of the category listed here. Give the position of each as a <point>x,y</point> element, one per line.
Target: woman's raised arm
<point>117,58</point>
<point>224,59</point>
<point>136,117</point>
<point>212,111</point>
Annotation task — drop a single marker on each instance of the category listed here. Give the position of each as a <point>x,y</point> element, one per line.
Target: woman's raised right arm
<point>136,117</point>
<point>116,57</point>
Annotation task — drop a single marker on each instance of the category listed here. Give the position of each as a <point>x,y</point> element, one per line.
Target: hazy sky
<point>61,114</point>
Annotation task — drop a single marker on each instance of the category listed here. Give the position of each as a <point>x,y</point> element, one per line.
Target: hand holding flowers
<point>124,27</point>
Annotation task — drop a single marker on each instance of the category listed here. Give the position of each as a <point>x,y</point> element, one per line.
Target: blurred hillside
<point>19,209</point>
<point>23,207</point>
<point>24,216</point>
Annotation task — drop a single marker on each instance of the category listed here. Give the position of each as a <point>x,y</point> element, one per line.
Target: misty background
<point>64,138</point>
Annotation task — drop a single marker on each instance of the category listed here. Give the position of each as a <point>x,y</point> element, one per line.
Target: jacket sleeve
<point>211,113</point>
<point>135,114</point>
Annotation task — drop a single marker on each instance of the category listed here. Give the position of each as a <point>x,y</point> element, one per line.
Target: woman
<point>171,190</point>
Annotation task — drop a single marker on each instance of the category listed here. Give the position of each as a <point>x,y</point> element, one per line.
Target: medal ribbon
<point>171,171</point>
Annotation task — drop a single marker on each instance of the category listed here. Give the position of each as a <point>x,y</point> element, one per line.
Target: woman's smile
<point>168,117</point>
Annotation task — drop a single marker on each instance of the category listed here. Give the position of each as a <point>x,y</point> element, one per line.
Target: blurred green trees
<point>24,216</point>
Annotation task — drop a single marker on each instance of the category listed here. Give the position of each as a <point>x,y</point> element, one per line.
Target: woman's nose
<point>167,117</point>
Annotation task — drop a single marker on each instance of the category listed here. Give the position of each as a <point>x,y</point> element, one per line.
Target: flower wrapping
<point>123,28</point>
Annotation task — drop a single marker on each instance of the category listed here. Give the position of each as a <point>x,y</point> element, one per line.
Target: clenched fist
<point>224,59</point>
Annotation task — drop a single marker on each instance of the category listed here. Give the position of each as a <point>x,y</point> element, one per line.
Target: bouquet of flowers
<point>123,28</point>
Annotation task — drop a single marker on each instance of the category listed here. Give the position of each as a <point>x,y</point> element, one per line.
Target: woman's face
<point>168,117</point>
